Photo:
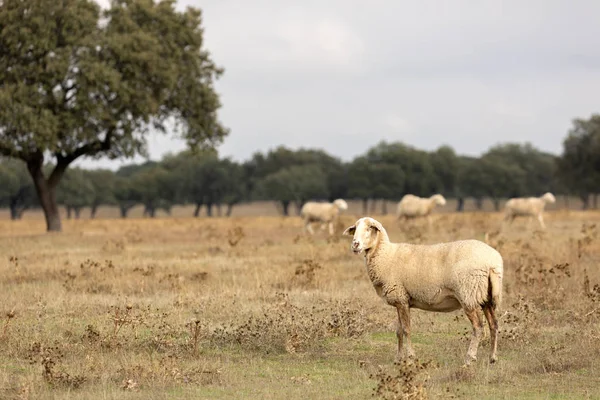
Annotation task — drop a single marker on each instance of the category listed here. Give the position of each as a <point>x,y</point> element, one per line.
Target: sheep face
<point>439,199</point>
<point>549,198</point>
<point>341,204</point>
<point>365,234</point>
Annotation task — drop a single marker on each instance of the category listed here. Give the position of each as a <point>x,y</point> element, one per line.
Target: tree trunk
<point>479,203</point>
<point>585,198</point>
<point>15,212</point>
<point>299,205</point>
<point>77,212</point>
<point>460,205</point>
<point>219,209</point>
<point>229,210</point>
<point>209,209</point>
<point>197,210</point>
<point>93,211</point>
<point>365,204</point>
<point>46,193</point>
<point>496,204</point>
<point>285,208</point>
<point>69,209</point>
<point>373,204</point>
<point>150,211</point>
<point>124,211</point>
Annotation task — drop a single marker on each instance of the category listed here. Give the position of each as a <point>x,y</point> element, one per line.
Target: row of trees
<point>387,171</point>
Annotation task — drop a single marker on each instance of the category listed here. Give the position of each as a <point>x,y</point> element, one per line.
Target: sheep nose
<point>355,244</point>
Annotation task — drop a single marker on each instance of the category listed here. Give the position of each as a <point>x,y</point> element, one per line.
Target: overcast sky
<point>342,75</point>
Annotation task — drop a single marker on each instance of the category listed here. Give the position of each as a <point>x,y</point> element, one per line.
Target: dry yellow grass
<point>248,308</point>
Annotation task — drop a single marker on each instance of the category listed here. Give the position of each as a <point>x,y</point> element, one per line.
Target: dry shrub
<point>406,379</point>
<point>92,277</point>
<point>346,320</point>
<point>285,327</point>
<point>235,235</point>
<point>167,370</point>
<point>50,359</point>
<point>282,327</point>
<point>304,275</point>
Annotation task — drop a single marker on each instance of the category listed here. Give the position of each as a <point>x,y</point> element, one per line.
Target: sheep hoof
<point>493,359</point>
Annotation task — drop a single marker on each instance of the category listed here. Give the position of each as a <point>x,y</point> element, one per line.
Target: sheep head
<point>365,234</point>
<point>439,199</point>
<point>549,198</point>
<point>341,204</point>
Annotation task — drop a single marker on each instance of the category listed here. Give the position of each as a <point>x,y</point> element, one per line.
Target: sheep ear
<point>376,225</point>
<point>350,231</point>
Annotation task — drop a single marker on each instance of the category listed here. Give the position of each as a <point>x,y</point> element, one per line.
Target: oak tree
<point>78,81</point>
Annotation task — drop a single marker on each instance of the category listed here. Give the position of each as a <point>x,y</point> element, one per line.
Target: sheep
<point>442,277</point>
<point>412,206</point>
<point>325,213</point>
<point>528,206</point>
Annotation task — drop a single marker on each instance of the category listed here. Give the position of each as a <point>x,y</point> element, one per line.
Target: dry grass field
<point>248,308</point>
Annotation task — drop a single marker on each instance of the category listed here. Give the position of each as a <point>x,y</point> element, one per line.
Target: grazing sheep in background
<point>528,207</point>
<point>442,277</point>
<point>325,213</point>
<point>412,206</point>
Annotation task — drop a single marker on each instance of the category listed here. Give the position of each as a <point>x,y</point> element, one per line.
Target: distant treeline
<point>387,171</point>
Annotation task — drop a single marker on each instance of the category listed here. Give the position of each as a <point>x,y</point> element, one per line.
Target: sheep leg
<point>331,229</point>
<point>541,221</point>
<point>308,227</point>
<point>490,315</point>
<point>477,323</point>
<point>403,332</point>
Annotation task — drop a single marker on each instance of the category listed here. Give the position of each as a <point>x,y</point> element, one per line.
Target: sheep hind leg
<point>490,315</point>
<point>405,349</point>
<point>476,336</point>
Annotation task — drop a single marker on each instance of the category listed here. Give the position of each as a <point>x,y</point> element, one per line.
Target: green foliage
<point>103,182</point>
<point>416,165</point>
<point>297,183</point>
<point>72,86</point>
<point>16,189</point>
<point>375,180</point>
<point>579,165</point>
<point>75,189</point>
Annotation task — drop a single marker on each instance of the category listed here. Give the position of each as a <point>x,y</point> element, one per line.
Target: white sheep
<point>442,277</point>
<point>411,206</point>
<point>325,213</point>
<point>528,207</point>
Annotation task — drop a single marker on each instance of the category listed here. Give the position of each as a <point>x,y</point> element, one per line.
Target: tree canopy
<point>73,86</point>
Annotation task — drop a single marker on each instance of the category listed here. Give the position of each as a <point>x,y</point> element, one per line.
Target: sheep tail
<point>495,286</point>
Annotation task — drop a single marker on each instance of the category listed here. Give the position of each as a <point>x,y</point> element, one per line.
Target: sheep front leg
<point>403,332</point>
<point>308,228</point>
<point>477,323</point>
<point>540,219</point>
<point>330,228</point>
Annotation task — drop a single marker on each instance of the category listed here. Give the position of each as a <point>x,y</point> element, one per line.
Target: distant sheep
<point>412,206</point>
<point>442,277</point>
<point>325,213</point>
<point>528,207</point>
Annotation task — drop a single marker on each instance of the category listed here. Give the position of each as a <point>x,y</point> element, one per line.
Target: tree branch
<point>62,162</point>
